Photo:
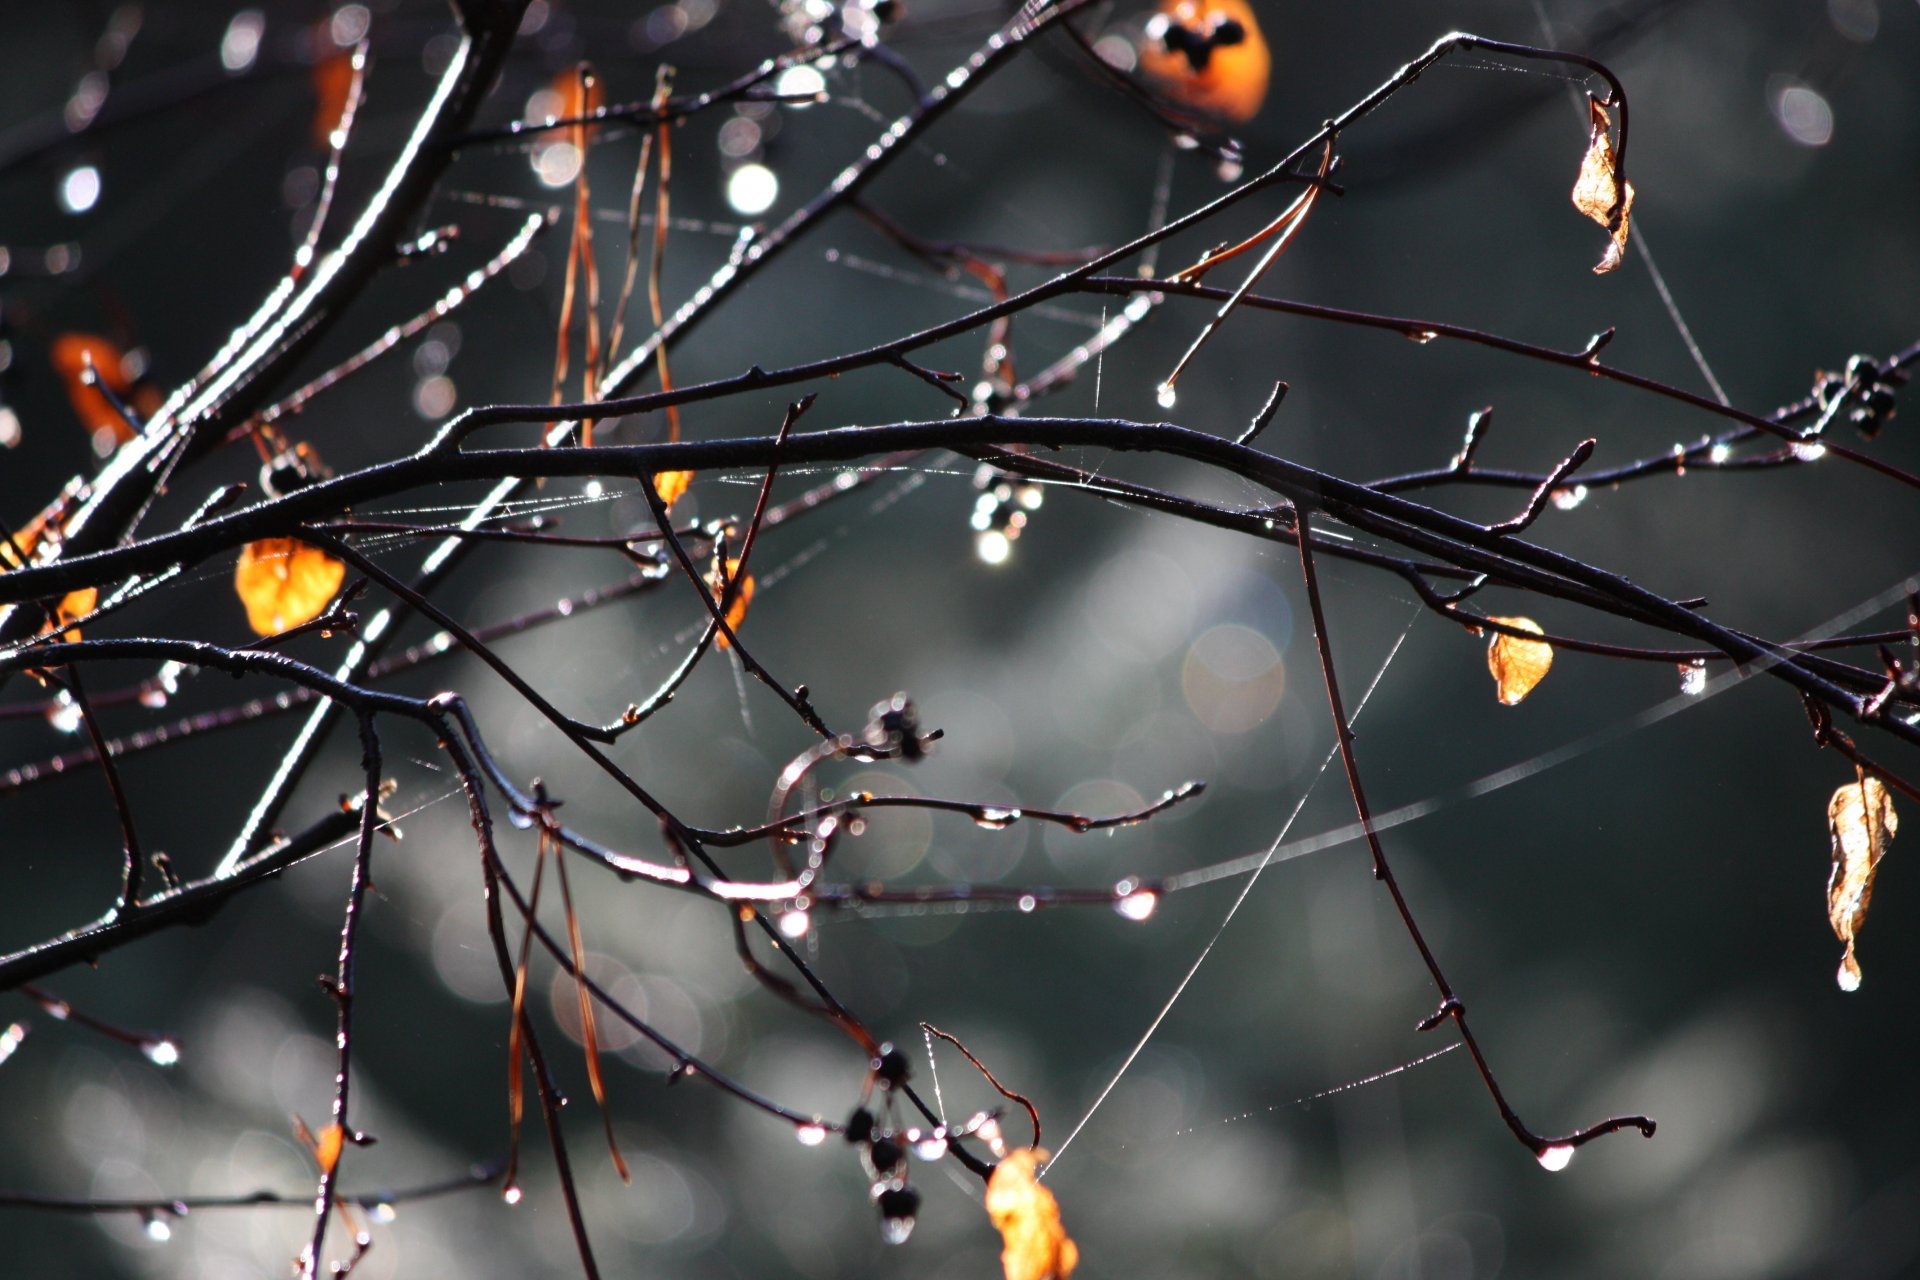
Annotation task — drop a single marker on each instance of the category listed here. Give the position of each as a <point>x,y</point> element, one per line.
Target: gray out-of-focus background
<point>1626,884</point>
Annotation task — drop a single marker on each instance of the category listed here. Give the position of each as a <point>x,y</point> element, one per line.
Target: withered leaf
<point>1517,665</point>
<point>86,364</point>
<point>1209,55</point>
<point>1035,1245</point>
<point>74,606</point>
<point>1861,820</point>
<point>1596,190</point>
<point>670,485</point>
<point>741,590</point>
<point>284,582</point>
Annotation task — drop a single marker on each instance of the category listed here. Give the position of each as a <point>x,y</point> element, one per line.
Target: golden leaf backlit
<point>284,582</point>
<point>323,1146</point>
<point>670,485</point>
<point>742,592</point>
<point>1035,1243</point>
<point>86,364</point>
<point>1210,55</point>
<point>1862,822</point>
<point>74,606</point>
<point>1596,189</point>
<point>1517,665</point>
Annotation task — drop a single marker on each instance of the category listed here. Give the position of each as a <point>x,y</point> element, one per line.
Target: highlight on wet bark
<point>1209,55</point>
<point>1862,822</point>
<point>285,583</point>
<point>1035,1243</point>
<point>1517,665</point>
<point>1597,192</point>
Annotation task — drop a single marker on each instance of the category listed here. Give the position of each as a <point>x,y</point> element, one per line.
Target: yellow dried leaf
<point>1596,189</point>
<point>1035,1243</point>
<point>284,582</point>
<point>1861,820</point>
<point>1517,665</point>
<point>742,590</point>
<point>670,485</point>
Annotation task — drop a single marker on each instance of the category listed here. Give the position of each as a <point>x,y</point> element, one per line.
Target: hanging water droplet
<point>383,1213</point>
<point>898,1204</point>
<point>996,819</point>
<point>1027,903</point>
<point>1556,1157</point>
<point>811,1135</point>
<point>511,1195</point>
<point>1809,450</point>
<point>63,714</point>
<point>931,1147</point>
<point>1720,452</point>
<point>1567,497</point>
<point>158,1231</point>
<point>520,818</point>
<point>153,697</point>
<point>1693,677</point>
<point>162,1052</point>
<point>1421,337</point>
<point>1137,905</point>
<point>896,1230</point>
<point>992,546</point>
<point>1165,395</point>
<point>794,924</point>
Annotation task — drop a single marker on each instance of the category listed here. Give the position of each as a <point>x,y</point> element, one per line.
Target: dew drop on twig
<point>811,1135</point>
<point>162,1052</point>
<point>1693,677</point>
<point>1556,1157</point>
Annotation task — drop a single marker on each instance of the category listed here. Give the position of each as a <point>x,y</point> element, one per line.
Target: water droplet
<point>996,819</point>
<point>63,714</point>
<point>158,1231</point>
<point>1849,979</point>
<point>992,546</point>
<point>1027,903</point>
<point>1720,452</point>
<point>1165,395</point>
<point>1137,905</point>
<point>811,1135</point>
<point>1556,1157</point>
<point>896,1230</point>
<point>520,819</point>
<point>794,924</point>
<point>1809,450</point>
<point>1693,677</point>
<point>1421,337</point>
<point>153,697</point>
<point>931,1147</point>
<point>511,1195</point>
<point>163,1052</point>
<point>383,1213</point>
<point>1567,497</point>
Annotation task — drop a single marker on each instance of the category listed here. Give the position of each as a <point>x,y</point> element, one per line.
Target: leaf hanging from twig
<point>283,582</point>
<point>1596,192</point>
<point>1861,820</point>
<point>1035,1242</point>
<point>732,592</point>
<point>1517,665</point>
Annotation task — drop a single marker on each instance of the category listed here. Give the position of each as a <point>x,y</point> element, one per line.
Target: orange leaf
<point>332,87</point>
<point>1210,55</point>
<point>74,606</point>
<point>670,485</point>
<point>1517,665</point>
<point>1596,189</point>
<point>1035,1243</point>
<point>574,99</point>
<point>323,1146</point>
<point>1861,820</point>
<point>284,582</point>
<point>739,589</point>
<point>73,355</point>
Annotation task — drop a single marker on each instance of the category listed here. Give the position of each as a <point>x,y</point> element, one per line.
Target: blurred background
<point>1625,881</point>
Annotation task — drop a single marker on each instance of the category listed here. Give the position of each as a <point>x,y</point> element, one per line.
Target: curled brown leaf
<point>1597,191</point>
<point>1862,822</point>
